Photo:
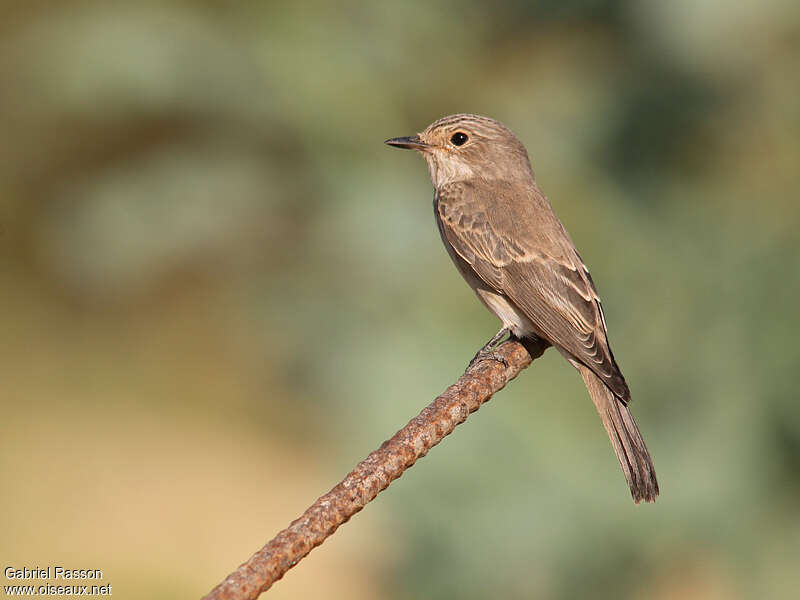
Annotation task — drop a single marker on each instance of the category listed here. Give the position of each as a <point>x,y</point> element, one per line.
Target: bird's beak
<point>411,143</point>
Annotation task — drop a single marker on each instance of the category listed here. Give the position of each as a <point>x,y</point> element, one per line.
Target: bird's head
<point>462,147</point>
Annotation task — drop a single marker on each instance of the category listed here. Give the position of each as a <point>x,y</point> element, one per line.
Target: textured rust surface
<point>375,473</point>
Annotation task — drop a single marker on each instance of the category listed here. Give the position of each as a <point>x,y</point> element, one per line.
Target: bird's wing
<point>518,247</point>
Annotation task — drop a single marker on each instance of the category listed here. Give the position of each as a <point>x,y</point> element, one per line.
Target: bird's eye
<point>459,138</point>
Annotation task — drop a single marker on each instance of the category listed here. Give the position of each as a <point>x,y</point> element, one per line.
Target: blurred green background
<point>219,291</point>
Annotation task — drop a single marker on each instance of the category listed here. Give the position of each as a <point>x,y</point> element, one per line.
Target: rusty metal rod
<point>374,474</point>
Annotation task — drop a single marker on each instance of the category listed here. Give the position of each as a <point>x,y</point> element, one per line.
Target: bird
<point>508,244</point>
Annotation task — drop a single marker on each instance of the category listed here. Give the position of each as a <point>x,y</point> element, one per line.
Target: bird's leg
<point>488,350</point>
<point>495,341</point>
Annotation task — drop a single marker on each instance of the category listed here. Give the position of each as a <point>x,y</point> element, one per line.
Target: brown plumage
<point>507,242</point>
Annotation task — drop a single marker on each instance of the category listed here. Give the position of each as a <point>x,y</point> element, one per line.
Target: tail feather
<point>625,438</point>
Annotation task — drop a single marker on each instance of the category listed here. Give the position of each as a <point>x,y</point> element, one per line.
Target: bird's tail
<point>625,438</point>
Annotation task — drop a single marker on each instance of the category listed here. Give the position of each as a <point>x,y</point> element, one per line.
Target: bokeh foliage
<point>219,290</point>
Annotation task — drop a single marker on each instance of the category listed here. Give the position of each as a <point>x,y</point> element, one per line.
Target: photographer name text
<point>51,572</point>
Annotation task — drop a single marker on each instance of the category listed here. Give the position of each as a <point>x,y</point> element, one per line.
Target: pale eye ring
<point>459,138</point>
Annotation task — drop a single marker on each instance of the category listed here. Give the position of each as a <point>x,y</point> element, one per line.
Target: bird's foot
<point>488,352</point>
<point>483,355</point>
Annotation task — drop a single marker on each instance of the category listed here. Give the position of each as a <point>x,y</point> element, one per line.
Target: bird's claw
<point>489,351</point>
<point>488,354</point>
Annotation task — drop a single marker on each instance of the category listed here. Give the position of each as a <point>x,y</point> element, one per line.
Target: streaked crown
<point>461,146</point>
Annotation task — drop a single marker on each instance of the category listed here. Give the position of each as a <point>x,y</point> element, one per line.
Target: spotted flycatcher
<point>507,242</point>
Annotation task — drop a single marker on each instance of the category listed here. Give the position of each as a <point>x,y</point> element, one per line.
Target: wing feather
<point>518,247</point>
